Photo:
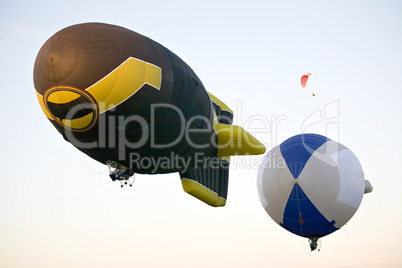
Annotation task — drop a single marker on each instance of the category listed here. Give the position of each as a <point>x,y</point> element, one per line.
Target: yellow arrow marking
<point>120,84</point>
<point>125,81</point>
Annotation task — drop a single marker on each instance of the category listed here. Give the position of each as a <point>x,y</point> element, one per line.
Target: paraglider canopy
<point>304,79</point>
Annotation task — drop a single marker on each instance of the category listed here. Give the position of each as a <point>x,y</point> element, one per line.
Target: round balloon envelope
<point>310,185</point>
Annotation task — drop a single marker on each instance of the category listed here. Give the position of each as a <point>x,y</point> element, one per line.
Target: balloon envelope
<point>132,104</point>
<point>311,185</point>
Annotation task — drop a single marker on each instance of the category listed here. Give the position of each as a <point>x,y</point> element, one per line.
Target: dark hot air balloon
<point>126,100</point>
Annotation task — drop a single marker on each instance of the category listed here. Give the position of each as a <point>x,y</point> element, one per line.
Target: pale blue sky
<point>59,208</point>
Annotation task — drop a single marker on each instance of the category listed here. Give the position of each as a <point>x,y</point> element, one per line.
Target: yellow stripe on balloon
<point>120,84</point>
<point>42,105</point>
<point>124,81</point>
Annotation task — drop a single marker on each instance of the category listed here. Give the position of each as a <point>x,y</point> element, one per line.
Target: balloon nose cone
<point>81,55</point>
<point>56,60</point>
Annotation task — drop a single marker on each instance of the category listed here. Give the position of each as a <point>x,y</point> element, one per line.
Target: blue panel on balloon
<point>298,149</point>
<point>301,217</point>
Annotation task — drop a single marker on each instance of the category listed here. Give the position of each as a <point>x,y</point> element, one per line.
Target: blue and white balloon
<point>311,185</point>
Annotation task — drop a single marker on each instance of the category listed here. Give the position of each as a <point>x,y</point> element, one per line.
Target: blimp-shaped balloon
<point>130,103</point>
<point>311,185</point>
